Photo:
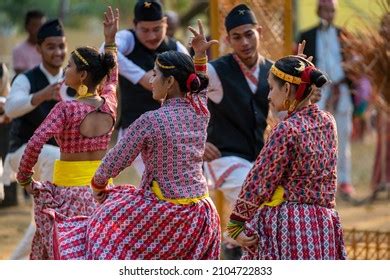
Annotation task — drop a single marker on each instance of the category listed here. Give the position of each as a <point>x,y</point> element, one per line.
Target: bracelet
<point>110,45</point>
<point>201,60</point>
<point>25,182</point>
<point>96,187</point>
<point>114,50</point>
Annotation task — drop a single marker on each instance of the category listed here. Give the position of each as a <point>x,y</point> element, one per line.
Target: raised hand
<point>111,24</point>
<point>301,48</point>
<point>199,42</point>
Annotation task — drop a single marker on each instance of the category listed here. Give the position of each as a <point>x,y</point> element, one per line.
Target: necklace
<point>85,95</point>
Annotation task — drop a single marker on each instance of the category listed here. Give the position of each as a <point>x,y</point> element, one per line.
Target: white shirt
<point>329,60</point>
<point>19,99</point>
<point>215,90</point>
<point>125,42</point>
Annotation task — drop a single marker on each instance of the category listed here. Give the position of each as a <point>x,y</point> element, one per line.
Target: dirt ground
<point>375,217</point>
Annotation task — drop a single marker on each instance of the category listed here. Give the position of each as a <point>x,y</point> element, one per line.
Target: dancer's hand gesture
<point>199,42</point>
<point>301,48</point>
<point>111,25</point>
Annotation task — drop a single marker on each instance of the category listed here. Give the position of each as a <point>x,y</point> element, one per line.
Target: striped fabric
<point>300,155</point>
<point>63,123</point>
<point>63,200</point>
<point>295,231</point>
<point>133,224</point>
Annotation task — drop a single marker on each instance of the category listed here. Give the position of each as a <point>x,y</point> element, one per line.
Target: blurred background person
<point>33,94</point>
<point>4,125</point>
<point>25,55</point>
<point>173,22</point>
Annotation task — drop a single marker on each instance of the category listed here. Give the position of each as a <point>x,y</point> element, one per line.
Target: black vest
<point>23,128</point>
<point>135,100</point>
<point>238,122</point>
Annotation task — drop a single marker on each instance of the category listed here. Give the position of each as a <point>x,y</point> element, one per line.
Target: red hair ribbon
<point>190,79</point>
<point>198,108</point>
<point>305,81</point>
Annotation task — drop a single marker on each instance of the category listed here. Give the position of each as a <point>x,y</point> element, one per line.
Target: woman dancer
<point>170,215</point>
<point>297,221</point>
<point>83,129</point>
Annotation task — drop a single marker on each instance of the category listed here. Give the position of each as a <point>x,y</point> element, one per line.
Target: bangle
<point>111,49</point>
<point>25,182</point>
<point>96,187</point>
<point>110,45</point>
<point>201,60</point>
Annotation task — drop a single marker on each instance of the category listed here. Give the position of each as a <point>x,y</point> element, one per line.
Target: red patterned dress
<point>63,123</point>
<point>301,156</point>
<point>136,224</point>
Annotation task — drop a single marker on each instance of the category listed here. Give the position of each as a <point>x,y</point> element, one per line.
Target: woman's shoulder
<point>326,117</point>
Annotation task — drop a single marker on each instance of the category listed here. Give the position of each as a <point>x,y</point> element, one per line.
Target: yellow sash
<point>74,173</point>
<point>276,199</point>
<point>179,201</point>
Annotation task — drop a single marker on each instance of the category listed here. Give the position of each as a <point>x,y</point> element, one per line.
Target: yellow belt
<point>179,201</point>
<point>74,173</point>
<point>276,199</point>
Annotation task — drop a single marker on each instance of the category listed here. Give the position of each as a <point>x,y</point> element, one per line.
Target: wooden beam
<point>214,22</point>
<point>288,27</point>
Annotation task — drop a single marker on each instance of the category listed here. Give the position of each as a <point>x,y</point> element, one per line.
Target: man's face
<point>53,51</point>
<point>33,26</point>
<point>327,12</point>
<point>245,40</point>
<point>151,33</point>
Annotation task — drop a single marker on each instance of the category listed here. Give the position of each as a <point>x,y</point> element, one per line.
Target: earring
<point>293,106</point>
<point>82,90</point>
<point>286,104</point>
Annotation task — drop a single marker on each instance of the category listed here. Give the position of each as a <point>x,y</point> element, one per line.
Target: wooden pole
<point>214,22</point>
<point>288,27</point>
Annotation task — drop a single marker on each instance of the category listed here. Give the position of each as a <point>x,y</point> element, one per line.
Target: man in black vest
<point>238,103</point>
<point>137,50</point>
<point>33,94</point>
<point>324,44</point>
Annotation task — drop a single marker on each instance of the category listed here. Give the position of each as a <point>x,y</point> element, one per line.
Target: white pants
<point>344,130</point>
<point>43,171</point>
<point>229,183</point>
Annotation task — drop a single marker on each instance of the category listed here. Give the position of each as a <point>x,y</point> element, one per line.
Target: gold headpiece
<point>80,57</point>
<point>164,66</point>
<point>284,76</point>
<point>147,4</point>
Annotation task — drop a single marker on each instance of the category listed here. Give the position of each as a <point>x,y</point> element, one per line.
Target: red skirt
<point>295,231</point>
<point>67,201</point>
<point>134,224</point>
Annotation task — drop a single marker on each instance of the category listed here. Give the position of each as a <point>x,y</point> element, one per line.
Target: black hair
<point>1,70</point>
<point>292,65</point>
<point>31,15</point>
<point>99,65</point>
<point>183,67</point>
